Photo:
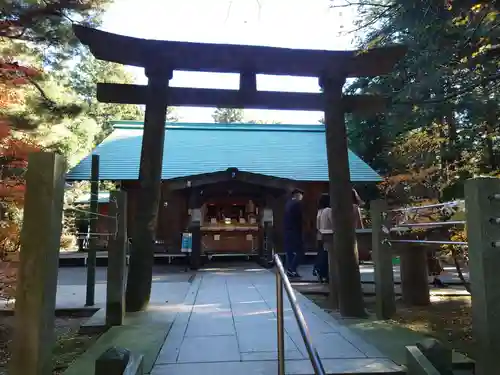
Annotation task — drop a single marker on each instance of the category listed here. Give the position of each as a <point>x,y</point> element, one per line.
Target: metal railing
<point>283,282</point>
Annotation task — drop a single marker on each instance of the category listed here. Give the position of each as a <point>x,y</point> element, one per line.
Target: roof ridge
<point>130,125</point>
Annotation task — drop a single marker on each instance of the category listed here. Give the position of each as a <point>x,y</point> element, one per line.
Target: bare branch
<point>361,4</point>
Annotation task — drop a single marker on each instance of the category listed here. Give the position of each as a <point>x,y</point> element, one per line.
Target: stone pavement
<point>449,275</point>
<point>71,286</point>
<point>227,324</point>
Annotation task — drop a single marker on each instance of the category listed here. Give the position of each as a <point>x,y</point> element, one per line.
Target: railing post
<point>483,234</point>
<point>94,217</point>
<point>281,325</point>
<point>117,255</point>
<point>382,258</point>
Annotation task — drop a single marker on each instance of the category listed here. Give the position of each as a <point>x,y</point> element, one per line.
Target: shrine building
<point>238,176</point>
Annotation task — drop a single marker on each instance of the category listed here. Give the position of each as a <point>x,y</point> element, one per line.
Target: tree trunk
<point>491,119</point>
<point>142,254</point>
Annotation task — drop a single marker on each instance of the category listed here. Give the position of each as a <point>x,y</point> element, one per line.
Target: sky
<point>303,24</point>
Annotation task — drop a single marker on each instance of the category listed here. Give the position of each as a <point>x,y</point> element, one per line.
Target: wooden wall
<point>173,218</point>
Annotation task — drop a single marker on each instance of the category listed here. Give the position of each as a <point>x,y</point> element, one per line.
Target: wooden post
<point>483,234</point>
<point>37,278</point>
<point>195,230</point>
<point>333,274</point>
<point>94,217</point>
<point>414,275</point>
<point>349,288</point>
<point>117,259</point>
<point>268,248</point>
<point>382,258</point>
<point>139,281</point>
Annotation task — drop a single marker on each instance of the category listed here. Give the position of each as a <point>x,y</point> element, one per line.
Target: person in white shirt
<point>323,222</point>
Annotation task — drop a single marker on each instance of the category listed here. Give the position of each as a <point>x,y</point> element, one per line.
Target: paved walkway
<point>227,325</point>
<point>449,275</point>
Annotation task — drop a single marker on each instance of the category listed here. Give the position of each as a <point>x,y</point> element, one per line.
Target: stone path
<point>227,325</point>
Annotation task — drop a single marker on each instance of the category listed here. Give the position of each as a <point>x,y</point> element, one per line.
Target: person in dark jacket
<point>292,238</point>
<point>83,233</point>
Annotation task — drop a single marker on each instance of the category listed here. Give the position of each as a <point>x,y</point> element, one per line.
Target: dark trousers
<point>319,257</point>
<point>294,250</point>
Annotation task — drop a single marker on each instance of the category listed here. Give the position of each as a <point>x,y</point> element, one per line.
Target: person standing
<point>323,222</point>
<point>356,207</point>
<point>292,238</point>
<point>83,233</point>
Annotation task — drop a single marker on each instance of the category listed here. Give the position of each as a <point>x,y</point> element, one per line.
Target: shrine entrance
<point>161,58</point>
<point>235,213</point>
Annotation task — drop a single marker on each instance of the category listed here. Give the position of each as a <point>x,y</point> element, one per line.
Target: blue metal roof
<point>295,152</point>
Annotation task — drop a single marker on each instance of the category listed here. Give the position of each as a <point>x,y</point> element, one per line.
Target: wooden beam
<point>196,181</point>
<point>196,97</point>
<point>224,58</point>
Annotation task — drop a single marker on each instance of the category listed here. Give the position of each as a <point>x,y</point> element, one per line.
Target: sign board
<point>187,243</point>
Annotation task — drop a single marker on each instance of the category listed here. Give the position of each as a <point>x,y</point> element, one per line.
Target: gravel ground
<point>69,344</point>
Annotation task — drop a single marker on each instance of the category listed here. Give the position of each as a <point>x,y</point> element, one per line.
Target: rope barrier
<point>89,212</point>
<point>429,242</point>
<point>86,235</point>
<point>115,218</point>
<point>433,224</point>
<point>445,204</point>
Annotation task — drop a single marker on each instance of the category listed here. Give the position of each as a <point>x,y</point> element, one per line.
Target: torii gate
<point>161,58</point>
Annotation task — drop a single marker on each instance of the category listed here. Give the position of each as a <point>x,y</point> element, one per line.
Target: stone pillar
<point>382,258</point>
<point>94,217</point>
<point>414,275</point>
<point>119,361</point>
<point>142,255</point>
<point>349,288</point>
<point>33,332</point>
<point>117,260</point>
<point>483,234</point>
<point>438,354</point>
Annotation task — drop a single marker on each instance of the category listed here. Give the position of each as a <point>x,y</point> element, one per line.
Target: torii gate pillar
<point>142,257</point>
<point>350,293</point>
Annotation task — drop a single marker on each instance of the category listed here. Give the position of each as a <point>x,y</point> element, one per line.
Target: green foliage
<point>228,115</point>
<point>273,122</point>
<point>443,124</point>
<point>46,25</point>
<point>83,81</point>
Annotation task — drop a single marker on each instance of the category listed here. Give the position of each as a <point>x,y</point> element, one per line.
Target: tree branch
<point>457,93</point>
<point>360,4</point>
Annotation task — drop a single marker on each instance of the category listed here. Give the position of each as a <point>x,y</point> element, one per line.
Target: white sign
<point>196,215</point>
